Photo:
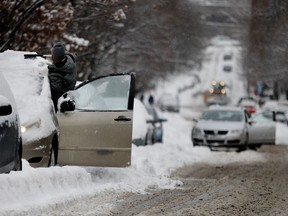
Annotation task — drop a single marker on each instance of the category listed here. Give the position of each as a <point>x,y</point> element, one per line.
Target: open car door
<point>97,131</point>
<point>262,129</point>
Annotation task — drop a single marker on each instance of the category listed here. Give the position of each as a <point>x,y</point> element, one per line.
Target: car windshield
<point>222,115</point>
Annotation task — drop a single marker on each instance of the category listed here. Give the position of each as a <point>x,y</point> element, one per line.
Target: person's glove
<point>51,69</point>
<point>67,105</point>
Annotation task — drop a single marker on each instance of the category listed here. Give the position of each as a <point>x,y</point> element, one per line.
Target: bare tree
<point>267,56</point>
<point>33,24</point>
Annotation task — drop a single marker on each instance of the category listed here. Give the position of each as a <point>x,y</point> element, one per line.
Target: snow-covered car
<point>95,122</point>
<point>10,132</point>
<point>221,126</point>
<point>169,102</point>
<point>142,129</point>
<point>157,124</point>
<point>95,131</point>
<point>29,82</point>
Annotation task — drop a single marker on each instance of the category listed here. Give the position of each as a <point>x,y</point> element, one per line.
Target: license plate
<point>213,137</point>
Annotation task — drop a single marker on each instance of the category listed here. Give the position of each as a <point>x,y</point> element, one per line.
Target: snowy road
<point>232,185</point>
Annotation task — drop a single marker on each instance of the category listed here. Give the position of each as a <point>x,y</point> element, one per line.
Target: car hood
<point>220,125</point>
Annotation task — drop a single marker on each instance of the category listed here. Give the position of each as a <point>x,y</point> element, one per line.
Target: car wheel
<point>243,148</point>
<point>253,147</point>
<point>53,152</point>
<point>212,149</point>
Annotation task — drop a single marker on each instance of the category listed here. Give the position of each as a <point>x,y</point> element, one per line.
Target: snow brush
<point>33,56</point>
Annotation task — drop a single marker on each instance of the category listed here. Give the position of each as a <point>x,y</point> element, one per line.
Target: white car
<point>142,129</point>
<point>169,102</point>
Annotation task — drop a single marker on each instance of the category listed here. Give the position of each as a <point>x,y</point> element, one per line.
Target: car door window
<point>106,94</point>
<point>263,117</point>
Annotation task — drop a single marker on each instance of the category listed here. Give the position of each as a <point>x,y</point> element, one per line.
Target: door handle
<point>122,118</point>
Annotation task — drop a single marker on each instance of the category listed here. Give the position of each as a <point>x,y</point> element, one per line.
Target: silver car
<point>222,127</point>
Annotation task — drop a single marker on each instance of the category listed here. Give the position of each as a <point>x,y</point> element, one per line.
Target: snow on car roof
<point>28,79</point>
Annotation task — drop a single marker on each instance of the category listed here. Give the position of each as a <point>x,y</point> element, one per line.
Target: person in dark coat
<point>62,73</point>
<point>151,100</point>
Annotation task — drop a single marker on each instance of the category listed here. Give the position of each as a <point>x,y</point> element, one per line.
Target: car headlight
<point>29,126</point>
<point>236,132</point>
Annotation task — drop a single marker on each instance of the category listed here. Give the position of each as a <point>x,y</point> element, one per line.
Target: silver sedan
<point>222,127</point>
<point>233,127</point>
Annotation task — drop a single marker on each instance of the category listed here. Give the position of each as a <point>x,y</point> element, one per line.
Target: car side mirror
<point>5,110</point>
<point>67,105</point>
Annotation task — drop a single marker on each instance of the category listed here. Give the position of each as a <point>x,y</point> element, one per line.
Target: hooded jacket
<point>63,78</point>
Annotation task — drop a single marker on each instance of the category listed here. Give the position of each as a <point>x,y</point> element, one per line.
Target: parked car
<point>247,98</point>
<point>222,126</point>
<point>10,132</point>
<point>142,128</point>
<point>95,122</point>
<point>227,68</point>
<point>280,108</point>
<point>93,126</point>
<point>227,57</point>
<point>157,124</point>
<point>248,103</point>
<point>169,102</point>
<point>30,85</point>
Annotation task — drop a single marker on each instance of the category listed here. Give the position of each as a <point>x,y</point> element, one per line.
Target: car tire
<point>253,147</point>
<point>246,145</point>
<point>53,152</point>
<point>212,149</point>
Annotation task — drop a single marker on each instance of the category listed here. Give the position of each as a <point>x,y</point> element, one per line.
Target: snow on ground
<point>151,165</point>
